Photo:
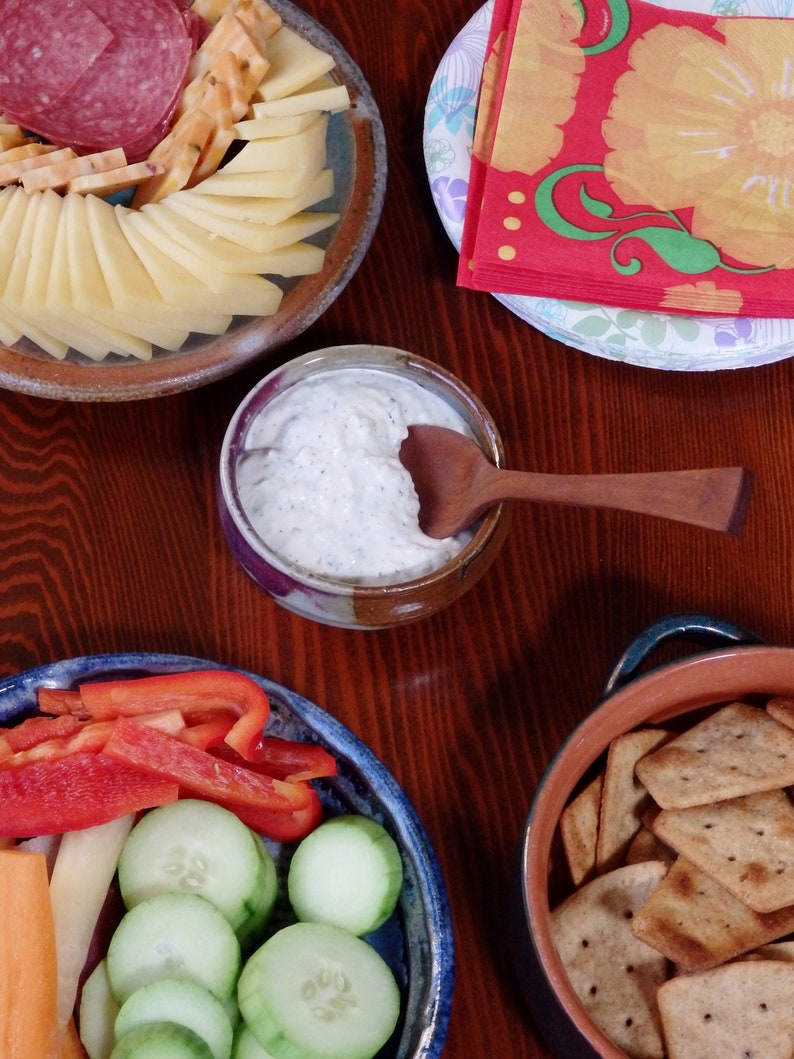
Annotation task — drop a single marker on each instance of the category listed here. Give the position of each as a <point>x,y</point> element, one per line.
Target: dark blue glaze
<point>418,942</point>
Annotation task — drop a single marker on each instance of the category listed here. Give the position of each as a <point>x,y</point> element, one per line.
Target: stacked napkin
<point>636,156</point>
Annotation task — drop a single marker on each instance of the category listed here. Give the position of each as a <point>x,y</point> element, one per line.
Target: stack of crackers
<point>681,852</point>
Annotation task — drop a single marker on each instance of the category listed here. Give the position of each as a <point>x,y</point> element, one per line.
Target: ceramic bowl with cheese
<point>317,507</point>
<point>223,255</point>
<point>729,665</point>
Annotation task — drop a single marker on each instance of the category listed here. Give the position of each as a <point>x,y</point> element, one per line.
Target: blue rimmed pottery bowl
<point>417,942</point>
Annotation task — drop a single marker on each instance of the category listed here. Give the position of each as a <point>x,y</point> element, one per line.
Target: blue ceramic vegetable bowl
<point>417,942</point>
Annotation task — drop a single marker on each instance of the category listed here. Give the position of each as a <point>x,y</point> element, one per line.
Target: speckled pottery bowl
<point>417,942</point>
<point>343,602</point>
<point>737,665</point>
<point>357,154</point>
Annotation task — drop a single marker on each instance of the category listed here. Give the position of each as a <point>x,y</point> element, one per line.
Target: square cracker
<point>646,846</point>
<point>579,831</point>
<point>744,844</point>
<point>777,950</point>
<point>738,750</point>
<point>698,924</point>
<point>782,710</point>
<point>624,798</point>
<point>739,1011</point>
<point>614,974</point>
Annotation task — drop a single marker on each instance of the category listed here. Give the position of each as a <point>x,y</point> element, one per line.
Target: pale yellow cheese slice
<point>21,217</point>
<point>131,287</point>
<point>272,128</point>
<point>303,151</point>
<point>230,256</point>
<point>59,300</point>
<point>241,295</point>
<point>294,63</point>
<point>90,292</point>
<point>333,98</point>
<point>9,334</point>
<point>176,284</point>
<point>279,184</point>
<point>33,295</point>
<point>58,174</point>
<point>258,209</point>
<point>245,233</point>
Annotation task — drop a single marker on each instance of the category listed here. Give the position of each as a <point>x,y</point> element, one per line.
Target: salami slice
<point>45,48</point>
<point>155,19</point>
<point>130,91</point>
<point>198,29</point>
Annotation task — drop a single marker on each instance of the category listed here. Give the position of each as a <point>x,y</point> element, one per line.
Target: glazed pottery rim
<point>391,360</point>
<point>429,994</point>
<point>207,358</point>
<point>701,680</point>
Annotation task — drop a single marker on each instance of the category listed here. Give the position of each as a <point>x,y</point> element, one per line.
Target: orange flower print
<point>540,86</point>
<point>702,297</point>
<point>487,110</point>
<point>708,123</point>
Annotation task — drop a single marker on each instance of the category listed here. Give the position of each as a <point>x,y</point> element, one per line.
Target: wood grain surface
<point>110,539</point>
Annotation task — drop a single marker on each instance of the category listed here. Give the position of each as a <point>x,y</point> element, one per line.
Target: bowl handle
<point>701,629</point>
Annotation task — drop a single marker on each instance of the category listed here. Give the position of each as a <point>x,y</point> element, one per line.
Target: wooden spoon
<point>456,482</point>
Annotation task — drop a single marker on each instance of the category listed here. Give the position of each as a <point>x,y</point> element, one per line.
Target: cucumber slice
<point>162,1040</point>
<point>251,929</point>
<point>315,991</point>
<point>198,847</point>
<point>98,1012</point>
<point>348,872</point>
<point>183,1002</point>
<point>246,1046</point>
<point>173,935</point>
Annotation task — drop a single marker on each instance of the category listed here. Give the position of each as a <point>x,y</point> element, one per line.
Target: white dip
<point>322,484</point>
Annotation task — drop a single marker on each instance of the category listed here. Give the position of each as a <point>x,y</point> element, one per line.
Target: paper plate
<point>649,339</point>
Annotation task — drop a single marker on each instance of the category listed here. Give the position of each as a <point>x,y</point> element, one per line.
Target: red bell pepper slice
<point>282,827</point>
<point>34,730</point>
<point>210,733</point>
<point>70,793</point>
<point>62,701</point>
<point>204,690</point>
<point>87,736</point>
<point>285,759</point>
<point>199,772</point>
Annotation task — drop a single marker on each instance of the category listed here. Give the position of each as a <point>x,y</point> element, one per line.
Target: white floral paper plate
<point>649,339</point>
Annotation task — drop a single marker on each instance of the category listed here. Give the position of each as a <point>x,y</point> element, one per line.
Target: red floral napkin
<point>636,156</point>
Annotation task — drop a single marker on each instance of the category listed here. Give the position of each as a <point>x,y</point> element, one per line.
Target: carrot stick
<point>28,964</point>
<point>72,1045</point>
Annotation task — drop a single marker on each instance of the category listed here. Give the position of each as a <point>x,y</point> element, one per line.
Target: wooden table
<point>111,539</point>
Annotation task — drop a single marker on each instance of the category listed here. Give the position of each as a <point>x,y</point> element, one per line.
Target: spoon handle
<point>714,498</point>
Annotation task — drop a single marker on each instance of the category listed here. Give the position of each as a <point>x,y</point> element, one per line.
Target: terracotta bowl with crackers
<point>654,899</point>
